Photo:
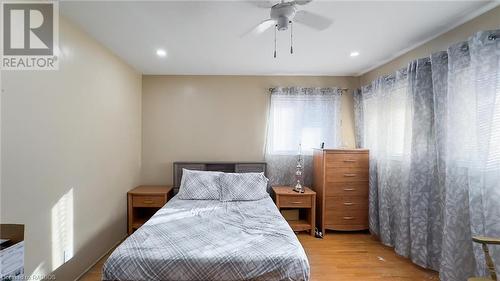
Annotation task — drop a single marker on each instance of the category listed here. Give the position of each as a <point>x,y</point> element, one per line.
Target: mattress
<point>211,240</point>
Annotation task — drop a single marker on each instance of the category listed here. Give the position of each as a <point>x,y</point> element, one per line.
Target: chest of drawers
<point>340,179</point>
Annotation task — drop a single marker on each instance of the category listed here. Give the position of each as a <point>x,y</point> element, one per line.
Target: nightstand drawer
<point>299,201</point>
<point>148,201</point>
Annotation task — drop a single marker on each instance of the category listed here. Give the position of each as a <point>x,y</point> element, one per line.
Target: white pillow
<point>199,185</point>
<point>243,186</point>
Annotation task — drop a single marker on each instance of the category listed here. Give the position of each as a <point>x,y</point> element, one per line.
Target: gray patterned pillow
<point>199,185</point>
<point>243,186</point>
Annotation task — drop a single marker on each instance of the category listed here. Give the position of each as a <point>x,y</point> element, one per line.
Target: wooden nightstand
<point>286,198</point>
<point>144,201</point>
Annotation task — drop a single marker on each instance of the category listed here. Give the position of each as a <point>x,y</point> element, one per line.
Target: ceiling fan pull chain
<point>275,28</point>
<point>291,37</point>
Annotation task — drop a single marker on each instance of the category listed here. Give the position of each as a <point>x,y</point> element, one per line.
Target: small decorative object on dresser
<point>340,179</point>
<point>144,201</point>
<point>286,198</point>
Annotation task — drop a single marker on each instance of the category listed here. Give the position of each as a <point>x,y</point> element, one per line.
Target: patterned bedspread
<point>211,240</point>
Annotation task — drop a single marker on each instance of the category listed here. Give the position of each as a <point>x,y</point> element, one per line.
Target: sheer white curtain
<point>300,116</point>
<point>433,131</point>
<point>472,155</point>
<point>387,133</point>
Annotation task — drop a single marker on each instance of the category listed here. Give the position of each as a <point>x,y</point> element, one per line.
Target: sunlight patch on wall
<point>41,272</point>
<point>62,230</point>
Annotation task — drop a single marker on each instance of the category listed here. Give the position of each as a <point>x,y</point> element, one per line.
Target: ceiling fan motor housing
<point>282,23</point>
<point>283,14</point>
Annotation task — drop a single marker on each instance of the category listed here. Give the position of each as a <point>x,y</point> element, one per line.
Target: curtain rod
<point>342,90</point>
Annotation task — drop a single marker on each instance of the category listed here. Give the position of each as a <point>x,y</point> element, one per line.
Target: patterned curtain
<point>433,130</point>
<point>358,118</point>
<point>303,117</point>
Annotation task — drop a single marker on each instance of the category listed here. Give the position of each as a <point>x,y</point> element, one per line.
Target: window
<point>305,117</point>
<point>397,121</point>
<point>385,120</point>
<point>493,161</point>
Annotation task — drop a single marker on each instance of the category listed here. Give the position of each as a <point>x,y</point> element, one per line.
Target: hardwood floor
<point>343,256</point>
<point>358,256</point>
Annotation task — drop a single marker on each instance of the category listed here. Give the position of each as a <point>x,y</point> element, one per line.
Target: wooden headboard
<point>228,167</point>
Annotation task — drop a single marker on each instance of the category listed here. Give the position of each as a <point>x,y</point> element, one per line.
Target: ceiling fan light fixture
<point>285,14</point>
<point>161,53</point>
<point>282,23</point>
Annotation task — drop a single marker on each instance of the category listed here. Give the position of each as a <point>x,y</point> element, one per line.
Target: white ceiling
<point>203,37</point>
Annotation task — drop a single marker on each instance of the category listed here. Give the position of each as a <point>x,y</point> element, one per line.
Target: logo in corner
<point>30,35</point>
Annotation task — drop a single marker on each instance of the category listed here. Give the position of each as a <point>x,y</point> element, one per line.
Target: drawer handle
<point>296,202</point>
<point>348,203</point>
<point>148,201</point>
<point>348,218</point>
<point>349,175</point>
<point>349,160</point>
<point>349,189</point>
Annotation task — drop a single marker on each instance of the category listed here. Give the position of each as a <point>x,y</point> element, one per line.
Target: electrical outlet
<point>67,255</point>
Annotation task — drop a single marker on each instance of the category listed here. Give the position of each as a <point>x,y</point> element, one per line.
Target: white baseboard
<point>102,256</point>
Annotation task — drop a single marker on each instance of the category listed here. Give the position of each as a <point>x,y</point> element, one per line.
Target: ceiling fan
<point>285,14</point>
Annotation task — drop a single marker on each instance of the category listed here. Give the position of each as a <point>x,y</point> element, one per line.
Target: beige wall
<point>215,118</point>
<point>487,21</point>
<point>76,129</point>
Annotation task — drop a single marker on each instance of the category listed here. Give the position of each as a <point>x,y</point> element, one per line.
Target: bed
<point>211,240</point>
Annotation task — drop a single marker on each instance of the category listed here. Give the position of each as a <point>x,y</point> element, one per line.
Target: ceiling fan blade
<point>261,27</point>
<point>301,2</point>
<point>312,20</point>
<point>262,3</point>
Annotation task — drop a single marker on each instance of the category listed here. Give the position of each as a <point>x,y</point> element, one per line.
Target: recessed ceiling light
<point>161,53</point>
<point>354,54</point>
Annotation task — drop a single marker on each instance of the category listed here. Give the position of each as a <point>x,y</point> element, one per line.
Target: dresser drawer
<point>346,174</point>
<point>290,201</point>
<point>346,203</point>
<point>352,188</point>
<point>346,217</point>
<point>347,160</point>
<point>148,201</point>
